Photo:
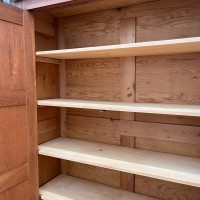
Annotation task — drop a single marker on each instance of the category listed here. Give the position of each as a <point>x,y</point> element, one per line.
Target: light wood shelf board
<point>154,108</point>
<point>67,187</point>
<point>175,46</point>
<point>179,169</point>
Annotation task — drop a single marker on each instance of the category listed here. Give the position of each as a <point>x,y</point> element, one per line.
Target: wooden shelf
<point>67,187</point>
<point>156,108</point>
<point>163,166</point>
<point>175,46</point>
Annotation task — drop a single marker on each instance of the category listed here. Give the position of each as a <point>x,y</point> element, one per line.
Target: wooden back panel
<point>171,79</point>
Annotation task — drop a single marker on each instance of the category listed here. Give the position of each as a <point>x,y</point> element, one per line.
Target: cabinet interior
<point>170,78</point>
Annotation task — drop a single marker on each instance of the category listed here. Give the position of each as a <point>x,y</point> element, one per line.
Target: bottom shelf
<point>70,188</point>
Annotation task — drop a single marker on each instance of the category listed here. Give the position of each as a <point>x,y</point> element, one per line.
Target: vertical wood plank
<point>61,45</point>
<point>126,179</point>
<point>127,66</point>
<point>30,81</point>
<point>127,84</point>
<point>62,73</point>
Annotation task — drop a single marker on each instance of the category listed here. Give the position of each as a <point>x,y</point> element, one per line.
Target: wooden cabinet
<point>117,112</point>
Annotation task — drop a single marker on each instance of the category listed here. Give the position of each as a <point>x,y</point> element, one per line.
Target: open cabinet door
<point>18,138</point>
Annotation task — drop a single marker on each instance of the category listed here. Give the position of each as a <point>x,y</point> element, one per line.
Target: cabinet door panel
<point>18,137</point>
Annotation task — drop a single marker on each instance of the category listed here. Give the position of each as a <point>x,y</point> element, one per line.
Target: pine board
<point>174,46</point>
<point>163,166</point>
<point>156,108</point>
<point>68,187</point>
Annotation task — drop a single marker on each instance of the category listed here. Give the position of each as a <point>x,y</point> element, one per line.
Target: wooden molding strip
<point>12,98</point>
<point>179,169</point>
<point>13,178</point>
<point>11,14</point>
<point>68,187</point>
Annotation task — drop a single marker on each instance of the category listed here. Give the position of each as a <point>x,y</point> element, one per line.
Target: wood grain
<point>127,86</point>
<point>31,112</point>
<point>62,76</point>
<point>81,189</point>
<point>176,83</point>
<point>11,14</point>
<point>165,190</point>
<point>44,42</point>
<point>127,66</point>
<point>177,148</point>
<point>95,174</point>
<point>168,119</point>
<point>61,8</point>
<point>93,79</point>
<point>45,113</point>
<point>170,79</point>
<point>159,131</point>
<point>14,193</point>
<point>162,47</point>
<point>18,138</point>
<point>127,181</point>
<point>47,80</point>
<point>47,83</point>
<point>47,60</point>
<point>47,125</point>
<point>12,64</point>
<point>95,136</point>
<point>179,169</point>
<point>93,113</point>
<point>12,98</point>
<point>96,29</point>
<point>155,108</point>
<point>49,169</point>
<point>13,178</point>
<point>44,23</point>
<point>169,19</point>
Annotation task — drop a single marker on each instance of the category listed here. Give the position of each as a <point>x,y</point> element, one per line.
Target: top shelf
<point>175,46</point>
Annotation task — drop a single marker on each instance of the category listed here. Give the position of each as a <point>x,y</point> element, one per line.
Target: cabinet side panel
<point>47,76</point>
